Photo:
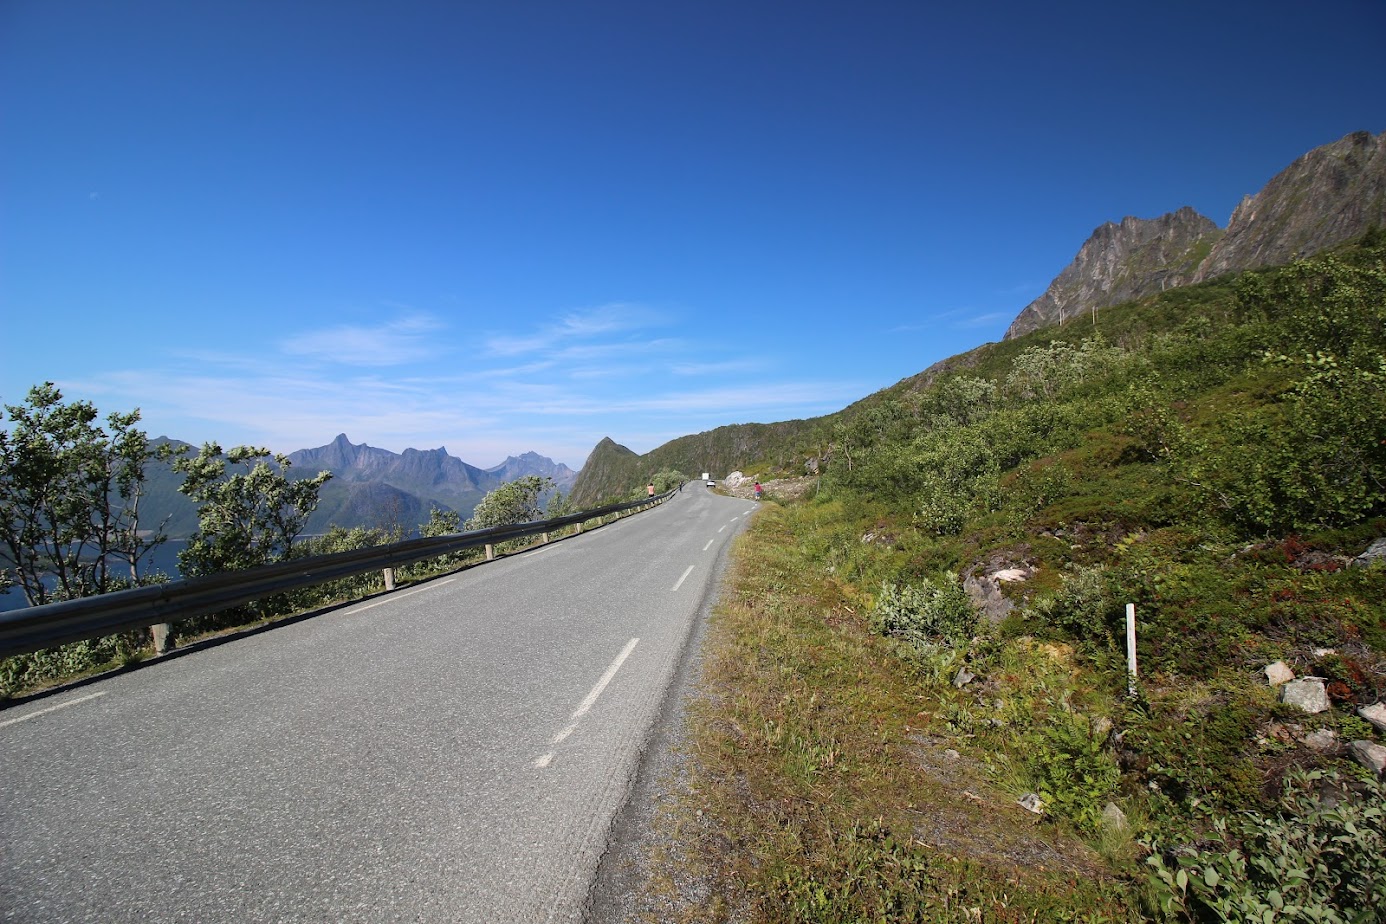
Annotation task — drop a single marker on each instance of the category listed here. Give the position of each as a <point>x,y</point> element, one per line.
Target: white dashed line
<point>709,544</point>
<point>682,579</point>
<point>543,761</point>
<point>35,715</point>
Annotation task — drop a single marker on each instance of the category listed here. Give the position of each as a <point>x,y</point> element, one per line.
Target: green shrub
<point>1320,857</point>
<point>926,613</point>
<point>1083,607</point>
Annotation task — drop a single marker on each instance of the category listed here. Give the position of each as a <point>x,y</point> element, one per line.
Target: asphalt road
<point>453,751</point>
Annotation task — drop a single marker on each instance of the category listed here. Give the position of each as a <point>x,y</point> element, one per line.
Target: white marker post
<point>1131,649</point>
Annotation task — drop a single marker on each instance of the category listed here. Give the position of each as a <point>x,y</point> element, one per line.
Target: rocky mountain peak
<point>1120,262</point>
<point>1328,196</point>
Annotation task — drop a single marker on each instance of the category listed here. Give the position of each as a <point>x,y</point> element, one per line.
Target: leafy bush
<point>518,501</point>
<point>1320,857</point>
<point>1082,607</point>
<point>925,613</point>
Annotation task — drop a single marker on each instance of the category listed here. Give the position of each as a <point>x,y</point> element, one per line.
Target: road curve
<point>450,752</point>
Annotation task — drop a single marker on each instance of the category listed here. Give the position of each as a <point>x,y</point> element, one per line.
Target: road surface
<point>452,751</point>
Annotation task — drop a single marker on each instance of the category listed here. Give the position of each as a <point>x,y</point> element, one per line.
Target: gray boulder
<point>1323,740</point>
<point>1375,714</point>
<point>1375,552</point>
<point>1370,755</point>
<point>1308,694</point>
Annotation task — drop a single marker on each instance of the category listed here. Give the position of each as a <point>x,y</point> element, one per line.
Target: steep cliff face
<point>1120,262</point>
<point>1330,195</point>
<point>1327,197</point>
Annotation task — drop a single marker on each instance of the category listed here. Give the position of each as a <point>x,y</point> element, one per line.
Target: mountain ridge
<point>370,487</point>
<point>1344,181</point>
<point>1325,197</point>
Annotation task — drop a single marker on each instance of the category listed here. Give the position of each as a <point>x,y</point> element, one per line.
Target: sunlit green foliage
<point>70,495</point>
<point>518,501</point>
<point>1319,856</point>
<point>250,511</point>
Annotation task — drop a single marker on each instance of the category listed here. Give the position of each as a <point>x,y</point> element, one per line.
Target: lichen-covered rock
<point>1308,694</point>
<point>1323,740</point>
<point>1113,818</point>
<point>1375,552</point>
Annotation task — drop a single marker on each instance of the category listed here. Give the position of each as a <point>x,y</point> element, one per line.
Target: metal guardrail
<point>37,627</point>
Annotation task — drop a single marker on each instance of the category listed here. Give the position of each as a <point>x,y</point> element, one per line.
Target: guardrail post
<point>389,578</point>
<point>490,552</point>
<point>544,540</point>
<point>161,632</point>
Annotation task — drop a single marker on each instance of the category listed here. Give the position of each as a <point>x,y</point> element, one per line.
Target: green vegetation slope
<point>940,633</point>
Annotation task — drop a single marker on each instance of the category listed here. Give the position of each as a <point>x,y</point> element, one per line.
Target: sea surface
<point>164,558</point>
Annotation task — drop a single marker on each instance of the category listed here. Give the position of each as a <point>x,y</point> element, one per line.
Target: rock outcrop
<point>1331,195</point>
<point>1120,262</point>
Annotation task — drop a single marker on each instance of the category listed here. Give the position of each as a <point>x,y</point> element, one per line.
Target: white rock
<point>1376,714</point>
<point>1031,802</point>
<point>1011,574</point>
<point>1279,673</point>
<point>1308,694</point>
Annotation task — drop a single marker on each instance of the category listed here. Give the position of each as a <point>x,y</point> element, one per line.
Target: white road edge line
<point>686,573</point>
<point>35,715</point>
<point>709,544</point>
<point>543,761</point>
<point>393,597</point>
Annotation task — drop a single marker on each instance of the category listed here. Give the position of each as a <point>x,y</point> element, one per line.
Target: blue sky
<point>510,226</point>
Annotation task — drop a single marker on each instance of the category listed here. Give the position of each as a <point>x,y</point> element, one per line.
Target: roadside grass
<point>830,780</point>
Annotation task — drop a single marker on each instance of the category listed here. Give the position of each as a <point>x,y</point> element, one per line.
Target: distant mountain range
<point>1329,196</point>
<point>370,487</point>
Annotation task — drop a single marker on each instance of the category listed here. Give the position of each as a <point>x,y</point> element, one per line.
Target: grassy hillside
<point>1215,456</point>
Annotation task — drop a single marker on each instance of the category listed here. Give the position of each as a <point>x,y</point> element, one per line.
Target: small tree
<point>441,523</point>
<point>250,511</point>
<point>518,501</point>
<point>69,497</point>
<point>667,480</point>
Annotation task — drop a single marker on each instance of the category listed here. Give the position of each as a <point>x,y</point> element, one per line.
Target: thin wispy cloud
<point>985,320</point>
<point>717,368</point>
<point>408,339</point>
<point>575,326</point>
